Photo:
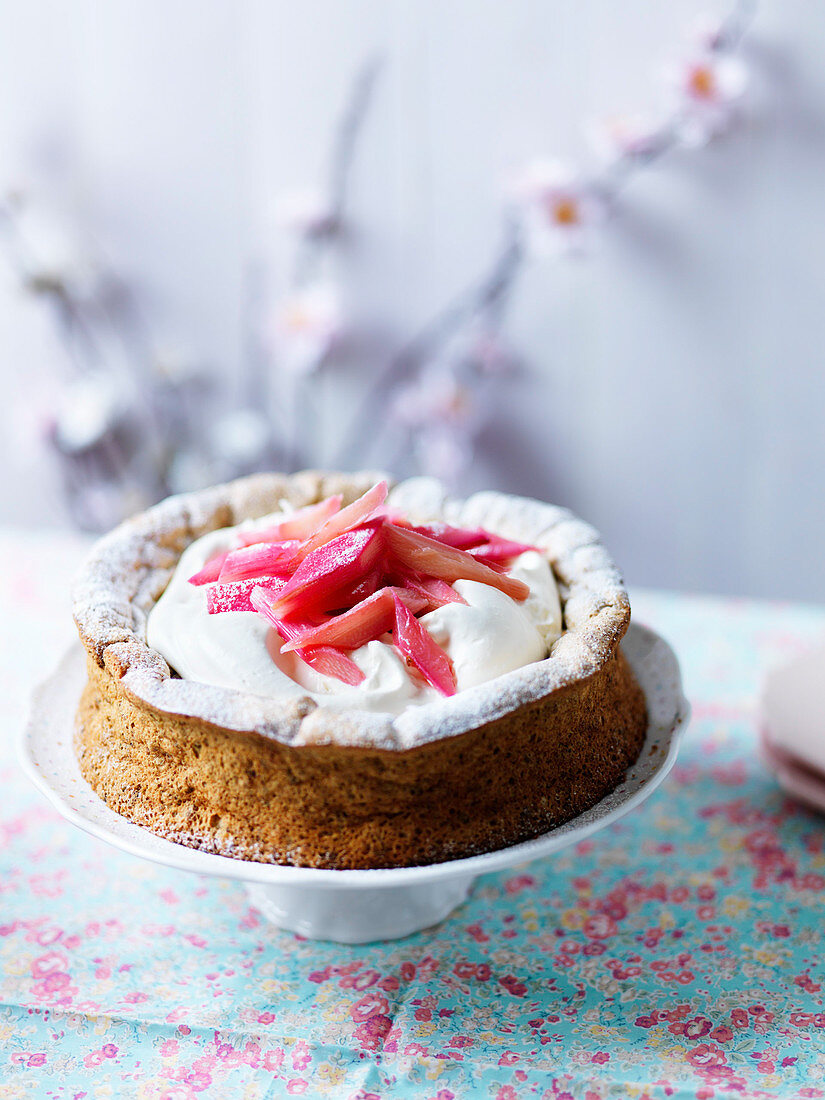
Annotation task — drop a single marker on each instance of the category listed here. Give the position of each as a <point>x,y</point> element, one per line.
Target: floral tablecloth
<point>678,953</point>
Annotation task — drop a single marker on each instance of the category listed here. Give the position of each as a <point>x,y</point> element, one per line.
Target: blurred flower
<point>628,135</point>
<point>436,398</point>
<point>560,210</point>
<point>305,327</point>
<point>488,355</point>
<point>52,253</point>
<point>88,410</point>
<point>707,87</point>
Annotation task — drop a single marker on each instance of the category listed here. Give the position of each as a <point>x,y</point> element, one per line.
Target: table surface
<point>678,953</point>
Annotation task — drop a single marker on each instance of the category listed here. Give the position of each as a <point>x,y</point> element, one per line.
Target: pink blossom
<point>304,328</point>
<point>560,211</point>
<point>707,85</point>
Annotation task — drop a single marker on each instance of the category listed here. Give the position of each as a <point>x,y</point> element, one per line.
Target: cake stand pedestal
<point>347,906</point>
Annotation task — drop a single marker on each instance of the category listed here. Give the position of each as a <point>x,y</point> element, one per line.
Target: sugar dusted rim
<point>128,570</point>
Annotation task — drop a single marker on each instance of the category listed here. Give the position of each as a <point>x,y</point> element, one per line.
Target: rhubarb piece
<point>422,554</point>
<point>419,648</point>
<point>298,525</point>
<point>345,560</point>
<point>459,537</point>
<point>211,571</point>
<point>324,659</point>
<point>435,591</point>
<point>235,595</point>
<point>363,623</point>
<point>264,559</point>
<point>354,515</point>
<point>497,550</point>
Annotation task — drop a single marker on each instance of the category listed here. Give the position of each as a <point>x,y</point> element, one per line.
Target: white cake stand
<point>346,906</point>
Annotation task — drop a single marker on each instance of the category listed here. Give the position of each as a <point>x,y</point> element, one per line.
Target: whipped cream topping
<point>489,636</point>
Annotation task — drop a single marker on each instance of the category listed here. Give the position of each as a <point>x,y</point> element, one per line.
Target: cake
<point>439,711</point>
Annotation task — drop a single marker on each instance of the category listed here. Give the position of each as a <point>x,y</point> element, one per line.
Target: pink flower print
<point>136,997</point>
<point>198,1082</point>
<point>53,983</point>
<point>372,1033</point>
<point>109,1050</point>
<point>94,1058</point>
<point>49,963</point>
<point>273,1059</point>
<point>48,936</point>
<point>407,971</point>
<point>169,1048</point>
<point>694,1029</point>
<point>372,1004</point>
<point>802,1019</point>
<point>389,983</point>
<point>35,1060</point>
<point>301,1056</point>
<point>266,1018</point>
<point>722,1034</point>
<point>506,1092</point>
<point>477,933</point>
<point>600,1057</point>
<point>599,926</point>
<point>508,1058</point>
<point>518,883</point>
<point>739,1018</point>
<point>706,1055</point>
<point>513,985</point>
<point>181,1092</point>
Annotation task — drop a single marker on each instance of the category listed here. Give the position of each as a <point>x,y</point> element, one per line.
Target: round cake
<point>312,670</point>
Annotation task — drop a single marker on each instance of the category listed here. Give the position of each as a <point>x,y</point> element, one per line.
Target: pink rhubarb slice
<point>419,648</point>
<point>425,555</point>
<point>354,515</point>
<point>497,549</point>
<point>363,623</point>
<point>324,659</point>
<point>211,571</point>
<point>235,596</point>
<point>459,537</point>
<point>261,560</point>
<point>345,560</point>
<point>435,591</point>
<point>298,525</point>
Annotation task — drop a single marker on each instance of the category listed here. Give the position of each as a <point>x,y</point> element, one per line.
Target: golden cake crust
<point>292,782</point>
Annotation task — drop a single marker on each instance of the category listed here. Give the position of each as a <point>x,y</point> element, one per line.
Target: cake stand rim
<point>139,841</point>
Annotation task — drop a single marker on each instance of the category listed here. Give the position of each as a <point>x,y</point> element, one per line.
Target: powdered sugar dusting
<point>128,570</point>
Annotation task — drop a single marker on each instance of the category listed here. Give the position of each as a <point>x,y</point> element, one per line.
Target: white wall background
<point>678,393</point>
